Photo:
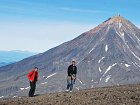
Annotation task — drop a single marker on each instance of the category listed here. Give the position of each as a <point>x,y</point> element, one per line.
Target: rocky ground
<point>118,95</point>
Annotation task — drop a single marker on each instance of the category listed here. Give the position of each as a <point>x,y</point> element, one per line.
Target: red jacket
<point>31,75</point>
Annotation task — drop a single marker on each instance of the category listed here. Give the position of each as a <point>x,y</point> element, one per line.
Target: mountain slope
<point>107,55</point>
<point>122,95</point>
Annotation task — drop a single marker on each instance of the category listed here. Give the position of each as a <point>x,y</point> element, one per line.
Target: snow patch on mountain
<point>106,48</point>
<point>44,83</point>
<point>127,65</point>
<point>50,75</point>
<point>137,38</point>
<point>120,25</point>
<point>122,34</point>
<point>21,88</point>
<point>132,52</point>
<point>80,82</point>
<point>99,63</point>
<point>137,64</point>
<point>108,77</point>
<point>25,88</point>
<point>91,49</point>
<point>135,55</point>
<point>100,69</point>
<point>109,68</point>
<point>1,96</point>
<point>77,88</point>
<point>15,96</point>
<point>101,59</point>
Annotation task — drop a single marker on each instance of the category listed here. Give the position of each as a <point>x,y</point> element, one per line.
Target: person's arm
<point>29,75</point>
<point>37,76</point>
<point>68,70</point>
<point>75,70</point>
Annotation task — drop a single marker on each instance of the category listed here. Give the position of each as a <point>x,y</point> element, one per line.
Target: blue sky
<point>38,25</point>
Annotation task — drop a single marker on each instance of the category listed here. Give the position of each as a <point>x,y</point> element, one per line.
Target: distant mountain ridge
<point>8,57</point>
<point>106,55</point>
<point>4,64</point>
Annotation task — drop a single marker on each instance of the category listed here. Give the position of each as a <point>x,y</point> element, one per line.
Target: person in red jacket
<point>33,77</point>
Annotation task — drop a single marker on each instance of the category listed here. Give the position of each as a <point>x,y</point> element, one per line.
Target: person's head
<point>73,62</point>
<point>36,68</point>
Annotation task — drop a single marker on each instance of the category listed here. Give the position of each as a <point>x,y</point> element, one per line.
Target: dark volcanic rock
<point>122,95</point>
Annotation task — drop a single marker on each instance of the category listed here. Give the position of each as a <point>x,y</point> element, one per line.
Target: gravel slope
<point>118,95</point>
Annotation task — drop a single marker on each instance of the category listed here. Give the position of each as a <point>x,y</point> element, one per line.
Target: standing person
<point>72,71</point>
<point>33,77</point>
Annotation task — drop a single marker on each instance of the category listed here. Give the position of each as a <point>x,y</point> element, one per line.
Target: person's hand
<point>69,78</point>
<point>73,77</point>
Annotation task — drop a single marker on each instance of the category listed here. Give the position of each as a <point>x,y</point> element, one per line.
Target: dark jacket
<point>72,70</point>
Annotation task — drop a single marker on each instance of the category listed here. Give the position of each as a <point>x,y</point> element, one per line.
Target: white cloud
<point>38,36</point>
<point>83,10</point>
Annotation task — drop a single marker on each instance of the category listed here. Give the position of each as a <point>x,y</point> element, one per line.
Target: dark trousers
<point>32,89</point>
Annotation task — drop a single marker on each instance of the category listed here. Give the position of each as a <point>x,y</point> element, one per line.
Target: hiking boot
<point>67,90</point>
<point>71,91</point>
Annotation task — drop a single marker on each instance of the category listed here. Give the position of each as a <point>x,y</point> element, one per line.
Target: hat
<point>73,60</point>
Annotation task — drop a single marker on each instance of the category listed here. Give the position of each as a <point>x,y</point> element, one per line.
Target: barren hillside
<point>118,95</point>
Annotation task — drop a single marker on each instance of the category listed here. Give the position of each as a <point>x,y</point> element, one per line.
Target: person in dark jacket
<point>72,71</point>
<point>33,77</point>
